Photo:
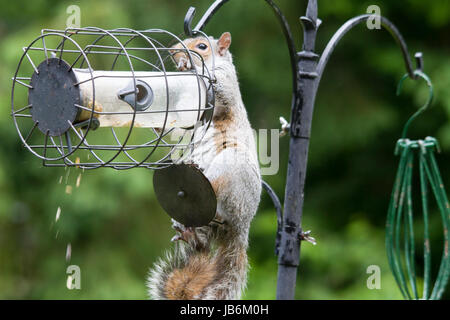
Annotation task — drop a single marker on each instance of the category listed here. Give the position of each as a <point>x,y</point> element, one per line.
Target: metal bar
<point>31,132</point>
<point>31,61</point>
<point>22,83</point>
<point>95,52</point>
<point>279,209</point>
<point>90,166</point>
<point>409,232</point>
<point>23,115</point>
<point>21,109</point>
<point>137,112</point>
<point>426,232</point>
<point>395,209</point>
<point>68,142</point>
<point>180,74</point>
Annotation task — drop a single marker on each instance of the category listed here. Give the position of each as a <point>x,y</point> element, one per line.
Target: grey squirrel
<point>211,262</point>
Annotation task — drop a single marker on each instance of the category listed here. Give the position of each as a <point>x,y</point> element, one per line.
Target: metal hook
<point>417,73</point>
<point>188,22</point>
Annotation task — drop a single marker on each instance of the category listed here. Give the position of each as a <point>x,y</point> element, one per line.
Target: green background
<point>114,223</point>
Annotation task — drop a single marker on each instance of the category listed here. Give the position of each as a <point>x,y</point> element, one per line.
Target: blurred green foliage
<point>115,225</point>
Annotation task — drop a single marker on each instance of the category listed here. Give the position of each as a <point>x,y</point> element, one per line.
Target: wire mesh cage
<point>110,98</point>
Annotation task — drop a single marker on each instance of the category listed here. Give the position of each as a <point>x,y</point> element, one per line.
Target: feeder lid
<point>185,194</point>
<point>54,96</point>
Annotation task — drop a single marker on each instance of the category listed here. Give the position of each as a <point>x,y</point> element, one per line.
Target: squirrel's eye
<point>202,46</point>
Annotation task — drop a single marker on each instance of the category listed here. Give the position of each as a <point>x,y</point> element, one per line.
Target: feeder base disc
<point>185,194</point>
<point>53,97</point>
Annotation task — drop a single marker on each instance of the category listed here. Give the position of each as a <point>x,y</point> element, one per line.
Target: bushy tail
<point>184,274</point>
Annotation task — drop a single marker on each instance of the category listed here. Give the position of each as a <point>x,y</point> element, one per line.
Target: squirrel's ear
<point>224,43</point>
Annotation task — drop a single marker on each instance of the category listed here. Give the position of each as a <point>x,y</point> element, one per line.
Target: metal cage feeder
<point>110,98</point>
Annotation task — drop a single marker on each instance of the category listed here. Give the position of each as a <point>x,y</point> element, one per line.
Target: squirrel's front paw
<point>186,234</point>
<point>183,64</point>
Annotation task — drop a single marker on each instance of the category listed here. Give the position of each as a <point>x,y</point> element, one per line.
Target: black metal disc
<point>54,96</point>
<point>185,194</point>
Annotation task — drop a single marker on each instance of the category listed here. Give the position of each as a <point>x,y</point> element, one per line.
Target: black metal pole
<point>301,118</point>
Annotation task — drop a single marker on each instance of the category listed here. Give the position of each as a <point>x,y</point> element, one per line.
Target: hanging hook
<point>417,73</point>
<point>188,22</point>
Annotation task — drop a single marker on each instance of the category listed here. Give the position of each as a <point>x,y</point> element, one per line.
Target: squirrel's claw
<point>176,237</point>
<point>185,234</point>
<point>306,236</point>
<point>183,64</point>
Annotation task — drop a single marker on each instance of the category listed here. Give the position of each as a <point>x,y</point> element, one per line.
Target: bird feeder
<point>115,98</point>
<point>99,98</point>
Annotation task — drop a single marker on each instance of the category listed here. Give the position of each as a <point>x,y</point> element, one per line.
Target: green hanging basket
<point>400,234</point>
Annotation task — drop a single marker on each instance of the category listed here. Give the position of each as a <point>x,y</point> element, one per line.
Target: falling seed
<point>68,252</point>
<point>60,179</point>
<point>68,189</point>
<point>67,175</point>
<point>57,234</point>
<point>58,213</point>
<point>77,161</point>
<point>78,180</point>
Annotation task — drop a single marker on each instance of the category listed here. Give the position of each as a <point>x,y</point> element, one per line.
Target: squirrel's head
<point>206,48</point>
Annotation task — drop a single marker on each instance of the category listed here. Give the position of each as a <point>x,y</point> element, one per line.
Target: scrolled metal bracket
<point>188,22</point>
<point>279,209</point>
<point>387,25</point>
